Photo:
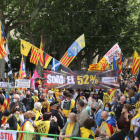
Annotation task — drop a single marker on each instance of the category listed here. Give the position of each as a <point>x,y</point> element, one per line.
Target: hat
<point>68,95</point>
<point>53,103</point>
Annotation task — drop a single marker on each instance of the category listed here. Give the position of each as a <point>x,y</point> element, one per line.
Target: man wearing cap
<point>66,106</point>
<point>54,110</point>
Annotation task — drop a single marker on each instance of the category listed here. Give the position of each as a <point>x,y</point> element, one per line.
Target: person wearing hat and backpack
<point>66,106</point>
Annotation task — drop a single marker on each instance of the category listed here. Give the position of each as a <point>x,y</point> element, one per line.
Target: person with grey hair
<point>37,109</point>
<point>97,114</point>
<point>16,100</point>
<point>35,96</point>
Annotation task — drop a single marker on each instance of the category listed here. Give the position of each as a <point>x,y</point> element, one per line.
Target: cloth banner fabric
<point>81,79</point>
<point>22,83</point>
<point>8,135</point>
<point>4,85</point>
<point>114,51</point>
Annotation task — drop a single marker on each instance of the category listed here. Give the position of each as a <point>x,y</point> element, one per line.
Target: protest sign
<point>8,135</point>
<point>114,51</point>
<point>22,83</point>
<point>4,85</point>
<point>81,79</point>
<point>106,98</point>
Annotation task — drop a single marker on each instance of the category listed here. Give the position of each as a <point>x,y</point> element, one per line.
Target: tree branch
<point>19,15</point>
<point>30,19</point>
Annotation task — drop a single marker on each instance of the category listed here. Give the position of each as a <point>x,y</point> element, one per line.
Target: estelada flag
<point>3,53</point>
<point>136,63</point>
<point>73,50</point>
<point>25,47</point>
<point>22,72</point>
<point>109,126</point>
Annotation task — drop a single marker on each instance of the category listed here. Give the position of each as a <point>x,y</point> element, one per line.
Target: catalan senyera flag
<point>94,67</point>
<point>136,63</point>
<point>35,53</point>
<point>25,47</point>
<point>47,59</point>
<point>3,53</point>
<point>22,72</point>
<point>112,93</point>
<point>73,50</point>
<point>109,126</point>
<point>41,52</point>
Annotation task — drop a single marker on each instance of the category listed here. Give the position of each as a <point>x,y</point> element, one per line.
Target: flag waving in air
<point>136,63</point>
<point>47,58</point>
<point>3,53</point>
<point>73,50</point>
<point>55,65</point>
<point>22,72</point>
<point>41,52</point>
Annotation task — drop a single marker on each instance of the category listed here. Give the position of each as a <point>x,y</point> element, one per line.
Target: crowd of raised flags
<point>113,57</point>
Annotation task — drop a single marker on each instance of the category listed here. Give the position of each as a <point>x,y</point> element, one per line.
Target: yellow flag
<point>25,47</point>
<point>106,98</point>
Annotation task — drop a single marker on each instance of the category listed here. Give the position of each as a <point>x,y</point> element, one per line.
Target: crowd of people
<point>58,112</point>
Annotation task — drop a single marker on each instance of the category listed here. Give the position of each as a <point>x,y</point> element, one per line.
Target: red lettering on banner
<point>11,137</point>
<point>6,136</point>
<point>112,50</point>
<point>2,137</point>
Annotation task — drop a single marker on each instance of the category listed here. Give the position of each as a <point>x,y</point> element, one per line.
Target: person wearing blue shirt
<point>117,94</point>
<point>97,114</point>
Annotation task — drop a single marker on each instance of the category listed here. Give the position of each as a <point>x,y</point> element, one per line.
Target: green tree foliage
<point>104,23</point>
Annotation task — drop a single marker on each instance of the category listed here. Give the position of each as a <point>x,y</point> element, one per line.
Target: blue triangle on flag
<point>55,65</point>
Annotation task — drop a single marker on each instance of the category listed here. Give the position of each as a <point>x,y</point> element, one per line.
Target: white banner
<point>8,135</point>
<point>4,85</point>
<point>44,138</point>
<point>22,83</point>
<point>114,51</point>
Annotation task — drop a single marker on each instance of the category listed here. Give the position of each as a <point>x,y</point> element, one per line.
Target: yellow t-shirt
<point>43,127</point>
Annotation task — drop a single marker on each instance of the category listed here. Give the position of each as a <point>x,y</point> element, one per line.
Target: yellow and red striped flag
<point>136,63</point>
<point>34,55</point>
<point>112,93</point>
<point>94,67</point>
<point>66,60</point>
<point>41,52</point>
<point>73,50</point>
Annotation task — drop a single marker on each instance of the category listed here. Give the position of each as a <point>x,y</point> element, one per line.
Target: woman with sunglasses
<point>18,114</point>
